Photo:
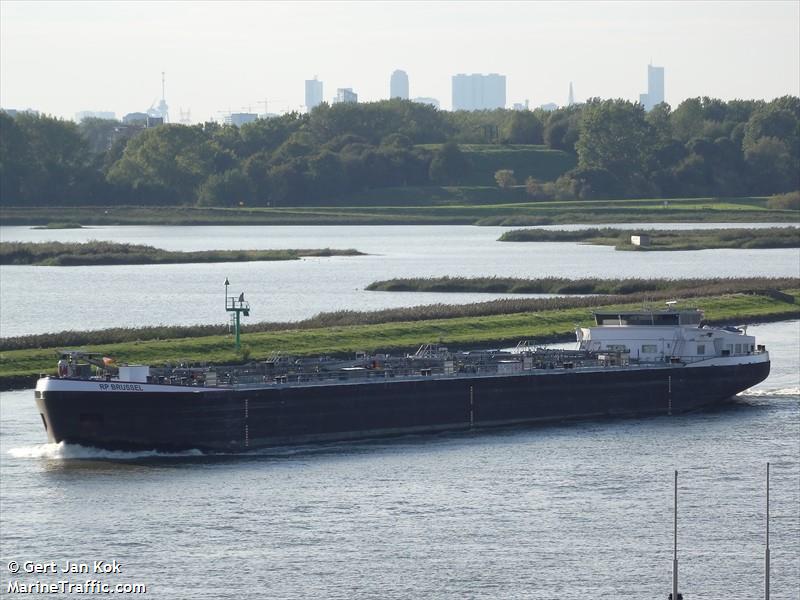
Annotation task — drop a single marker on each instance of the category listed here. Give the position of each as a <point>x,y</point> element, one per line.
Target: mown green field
<point>510,214</point>
<point>18,367</point>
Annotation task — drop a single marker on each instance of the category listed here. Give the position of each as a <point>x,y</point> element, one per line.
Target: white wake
<point>787,391</point>
<point>64,451</point>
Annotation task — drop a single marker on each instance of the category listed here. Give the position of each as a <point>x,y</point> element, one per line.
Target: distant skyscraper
<point>655,88</point>
<point>398,85</point>
<point>479,92</point>
<point>345,95</point>
<point>313,93</point>
<point>655,85</point>
<point>571,99</point>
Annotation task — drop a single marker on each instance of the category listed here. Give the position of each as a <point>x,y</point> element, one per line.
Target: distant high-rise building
<point>94,114</point>
<point>571,98</point>
<point>422,100</point>
<point>655,88</point>
<point>398,85</point>
<point>313,93</point>
<point>655,85</point>
<point>345,95</point>
<point>239,119</point>
<point>479,92</point>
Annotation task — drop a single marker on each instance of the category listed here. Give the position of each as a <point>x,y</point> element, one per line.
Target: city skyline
<point>214,66</point>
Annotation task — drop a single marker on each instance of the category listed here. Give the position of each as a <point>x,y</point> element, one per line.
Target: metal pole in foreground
<point>766,552</point>
<point>238,344</point>
<point>675,543</point>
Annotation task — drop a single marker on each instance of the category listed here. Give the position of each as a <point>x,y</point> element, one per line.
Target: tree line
<point>705,147</point>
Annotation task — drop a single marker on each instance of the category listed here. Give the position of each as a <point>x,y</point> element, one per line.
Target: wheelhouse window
<point>649,349</point>
<point>701,348</point>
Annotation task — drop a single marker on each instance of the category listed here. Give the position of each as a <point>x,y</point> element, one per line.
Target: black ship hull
<point>174,418</point>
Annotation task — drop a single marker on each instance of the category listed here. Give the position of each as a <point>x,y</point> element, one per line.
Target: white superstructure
<point>667,336</point>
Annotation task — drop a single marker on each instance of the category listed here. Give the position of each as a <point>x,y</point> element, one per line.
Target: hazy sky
<point>63,57</point>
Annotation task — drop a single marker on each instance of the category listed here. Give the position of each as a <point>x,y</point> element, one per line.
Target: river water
<point>567,511</point>
<point>570,510</point>
<point>49,299</point>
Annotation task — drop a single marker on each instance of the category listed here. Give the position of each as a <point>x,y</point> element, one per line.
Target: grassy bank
<point>557,285</point>
<point>18,366</point>
<point>110,253</point>
<point>508,214</point>
<point>628,290</point>
<point>690,239</point>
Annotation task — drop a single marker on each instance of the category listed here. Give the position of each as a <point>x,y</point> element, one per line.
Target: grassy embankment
<point>18,368</point>
<point>683,288</point>
<point>111,253</point>
<point>622,290</point>
<point>689,239</point>
<point>509,213</point>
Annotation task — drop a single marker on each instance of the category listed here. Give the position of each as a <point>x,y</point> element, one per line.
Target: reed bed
<point>688,239</point>
<point>61,254</point>
<point>560,285</point>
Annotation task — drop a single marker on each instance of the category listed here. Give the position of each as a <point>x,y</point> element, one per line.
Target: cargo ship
<point>650,362</point>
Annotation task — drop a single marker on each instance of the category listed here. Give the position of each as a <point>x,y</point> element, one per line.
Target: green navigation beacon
<point>239,307</point>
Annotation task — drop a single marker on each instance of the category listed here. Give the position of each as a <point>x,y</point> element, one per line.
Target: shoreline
<point>679,210</point>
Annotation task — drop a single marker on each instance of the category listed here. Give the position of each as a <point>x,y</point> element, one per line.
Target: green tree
<point>615,137</point>
<point>770,167</point>
<point>448,164</point>
<point>562,128</point>
<point>525,128</point>
<point>231,188</point>
<point>99,133</point>
<point>771,122</point>
<point>169,161</point>
<point>56,167</point>
<point>326,176</point>
<point>15,161</point>
<point>256,169</point>
<point>687,119</point>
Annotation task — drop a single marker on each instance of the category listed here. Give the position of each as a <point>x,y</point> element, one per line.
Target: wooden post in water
<point>675,543</point>
<point>766,551</point>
